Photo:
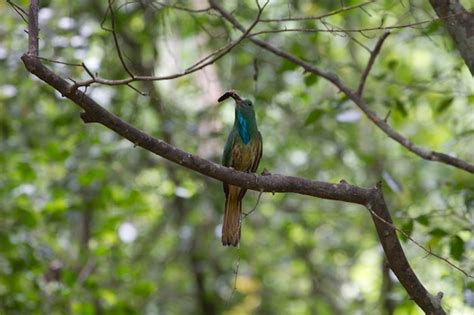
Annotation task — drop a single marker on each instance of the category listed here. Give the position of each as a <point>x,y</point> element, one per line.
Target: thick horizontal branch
<point>424,153</point>
<point>93,112</point>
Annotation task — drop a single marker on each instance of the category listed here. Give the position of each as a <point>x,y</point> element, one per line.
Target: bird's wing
<point>227,155</point>
<point>258,156</point>
<point>256,160</point>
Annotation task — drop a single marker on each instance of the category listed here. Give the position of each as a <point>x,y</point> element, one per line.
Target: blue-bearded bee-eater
<point>242,152</point>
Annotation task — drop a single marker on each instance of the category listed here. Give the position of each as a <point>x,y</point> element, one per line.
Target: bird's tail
<point>231,227</point>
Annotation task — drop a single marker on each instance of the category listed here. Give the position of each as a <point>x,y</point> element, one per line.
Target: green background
<point>90,224</point>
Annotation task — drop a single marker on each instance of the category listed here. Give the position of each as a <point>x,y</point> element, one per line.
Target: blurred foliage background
<point>89,224</point>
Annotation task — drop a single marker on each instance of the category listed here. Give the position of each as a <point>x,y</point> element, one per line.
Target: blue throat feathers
<point>243,128</point>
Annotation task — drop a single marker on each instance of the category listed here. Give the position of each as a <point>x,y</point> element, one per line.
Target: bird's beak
<point>235,96</point>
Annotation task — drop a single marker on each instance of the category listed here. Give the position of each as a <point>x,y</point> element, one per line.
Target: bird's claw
<point>265,172</point>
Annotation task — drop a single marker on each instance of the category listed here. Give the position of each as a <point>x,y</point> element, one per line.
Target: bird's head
<point>242,105</point>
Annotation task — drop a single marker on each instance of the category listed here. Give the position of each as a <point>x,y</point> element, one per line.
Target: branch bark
<point>372,198</point>
<point>460,25</point>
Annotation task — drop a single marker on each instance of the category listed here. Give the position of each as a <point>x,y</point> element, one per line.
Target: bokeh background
<point>90,224</point>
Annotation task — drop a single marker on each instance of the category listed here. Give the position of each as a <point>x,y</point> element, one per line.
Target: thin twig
<point>350,35</point>
<point>371,61</point>
<point>358,42</point>
<point>195,67</point>
<point>306,18</point>
<point>86,270</point>
<point>19,10</point>
<point>115,37</point>
<point>137,90</point>
<point>244,215</point>
<point>155,4</point>
<point>87,70</point>
<point>428,251</point>
<point>236,273</point>
<point>65,63</point>
<point>338,29</point>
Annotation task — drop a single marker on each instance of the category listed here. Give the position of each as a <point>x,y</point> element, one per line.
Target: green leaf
<point>27,218</point>
<point>84,308</point>
<point>470,286</point>
<point>144,288</point>
<point>438,232</point>
<point>310,79</point>
<point>444,104</point>
<point>456,247</point>
<point>392,64</point>
<point>91,175</point>
<point>465,133</point>
<point>407,228</point>
<point>313,116</point>
<point>433,27</point>
<point>423,219</point>
<point>400,107</point>
<point>26,171</point>
<point>56,205</point>
<point>287,66</point>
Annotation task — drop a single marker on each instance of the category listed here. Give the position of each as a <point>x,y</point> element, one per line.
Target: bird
<point>242,152</point>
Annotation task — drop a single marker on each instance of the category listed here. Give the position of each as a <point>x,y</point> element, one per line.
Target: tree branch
<point>460,25</point>
<point>396,257</point>
<point>319,17</point>
<point>370,63</point>
<point>33,28</point>
<point>115,37</point>
<point>204,62</point>
<point>337,29</point>
<point>424,153</point>
<point>93,112</point>
<point>428,251</point>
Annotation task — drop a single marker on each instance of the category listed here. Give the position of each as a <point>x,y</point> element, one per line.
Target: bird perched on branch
<point>242,152</point>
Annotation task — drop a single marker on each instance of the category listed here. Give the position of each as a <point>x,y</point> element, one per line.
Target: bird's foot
<point>265,172</point>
